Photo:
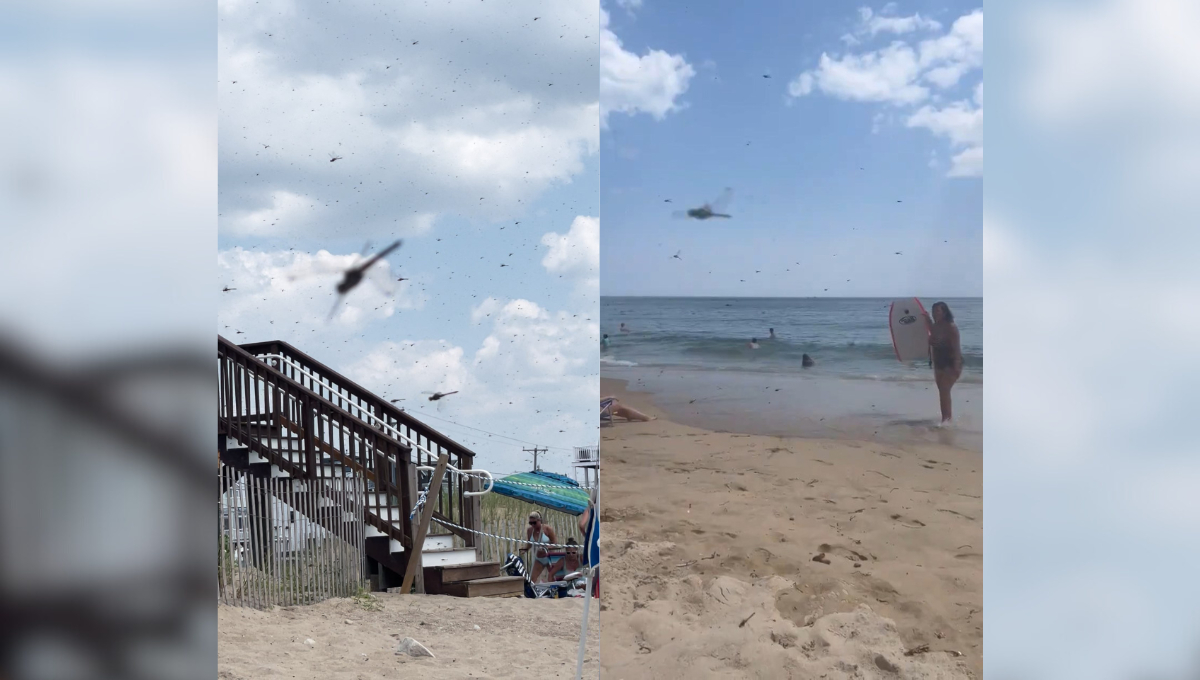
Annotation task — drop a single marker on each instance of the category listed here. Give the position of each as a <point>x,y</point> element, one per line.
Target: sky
<point>470,131</point>
<point>848,133</point>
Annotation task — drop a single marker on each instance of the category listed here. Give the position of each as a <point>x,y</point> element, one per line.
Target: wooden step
<point>436,577</point>
<point>485,587</point>
<point>467,572</point>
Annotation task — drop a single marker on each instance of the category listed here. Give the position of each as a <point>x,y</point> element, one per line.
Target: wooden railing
<point>425,442</point>
<point>308,436</point>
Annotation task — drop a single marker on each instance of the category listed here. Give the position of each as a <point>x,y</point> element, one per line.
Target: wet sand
<point>750,556</point>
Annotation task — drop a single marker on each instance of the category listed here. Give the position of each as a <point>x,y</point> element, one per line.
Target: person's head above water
<point>753,339</point>
<point>941,312</point>
<point>806,360</point>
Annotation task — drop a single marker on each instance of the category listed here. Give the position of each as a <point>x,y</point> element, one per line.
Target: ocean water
<point>693,355</point>
<point>848,338</point>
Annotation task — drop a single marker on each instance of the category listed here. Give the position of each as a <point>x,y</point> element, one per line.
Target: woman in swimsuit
<point>946,351</point>
<point>539,532</point>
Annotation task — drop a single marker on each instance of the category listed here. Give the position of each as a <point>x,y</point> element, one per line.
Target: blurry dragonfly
<point>711,209</point>
<point>438,396</point>
<point>353,276</point>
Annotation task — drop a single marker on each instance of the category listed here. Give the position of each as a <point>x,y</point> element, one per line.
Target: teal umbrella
<point>547,489</point>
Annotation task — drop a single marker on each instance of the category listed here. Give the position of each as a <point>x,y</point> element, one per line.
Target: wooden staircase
<point>284,415</point>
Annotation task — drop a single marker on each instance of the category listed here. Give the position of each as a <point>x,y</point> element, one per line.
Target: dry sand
<point>517,637</point>
<point>709,543</point>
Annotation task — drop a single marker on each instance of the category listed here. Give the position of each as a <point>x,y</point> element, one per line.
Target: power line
<point>494,434</point>
<point>535,455</point>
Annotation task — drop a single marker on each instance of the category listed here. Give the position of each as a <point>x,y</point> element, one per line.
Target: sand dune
<point>709,548</point>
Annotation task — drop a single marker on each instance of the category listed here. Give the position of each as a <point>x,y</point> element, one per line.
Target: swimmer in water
<point>806,361</point>
<point>604,341</point>
<point>772,332</point>
<point>753,343</point>
<point>623,328</point>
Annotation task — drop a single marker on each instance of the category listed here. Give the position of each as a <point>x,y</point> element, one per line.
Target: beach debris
<point>884,665</point>
<point>881,474</point>
<point>310,642</point>
<point>349,622</point>
<point>413,648</point>
<point>919,649</point>
<point>745,620</point>
<point>477,627</point>
<point>821,558</point>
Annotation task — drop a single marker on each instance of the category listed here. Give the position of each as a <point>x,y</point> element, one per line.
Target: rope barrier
<point>420,504</point>
<point>506,538</point>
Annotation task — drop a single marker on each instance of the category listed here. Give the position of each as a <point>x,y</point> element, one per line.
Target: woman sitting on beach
<point>570,562</point>
<point>539,533</point>
<point>946,349</point>
<point>619,410</point>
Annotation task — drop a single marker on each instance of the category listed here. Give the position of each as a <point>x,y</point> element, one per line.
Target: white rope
<point>482,474</point>
<point>506,538</point>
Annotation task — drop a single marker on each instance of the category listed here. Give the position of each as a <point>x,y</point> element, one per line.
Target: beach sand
<point>518,638</point>
<point>708,548</point>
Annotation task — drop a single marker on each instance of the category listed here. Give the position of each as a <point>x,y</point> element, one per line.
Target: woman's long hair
<point>945,310</point>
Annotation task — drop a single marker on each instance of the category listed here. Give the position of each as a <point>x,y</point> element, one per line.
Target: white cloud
<point>299,289</point>
<point>576,253</point>
<point>904,75</point>
<point>418,123</point>
<point>535,367</point>
<point>1077,78</point>
<point>104,154</point>
<point>651,83</point>
<point>874,24</point>
<point>962,124</point>
<point>888,75</point>
<point>967,163</point>
<point>629,5</point>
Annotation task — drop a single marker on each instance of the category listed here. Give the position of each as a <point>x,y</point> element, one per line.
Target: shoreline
<point>812,406</point>
<point>745,556</point>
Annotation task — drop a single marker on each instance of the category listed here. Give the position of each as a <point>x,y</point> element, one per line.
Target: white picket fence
<point>272,552</point>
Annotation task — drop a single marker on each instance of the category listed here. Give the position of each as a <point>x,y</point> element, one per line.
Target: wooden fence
<point>287,541</point>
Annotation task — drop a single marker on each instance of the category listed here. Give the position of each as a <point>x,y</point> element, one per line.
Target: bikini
<point>943,355</point>
<point>544,539</point>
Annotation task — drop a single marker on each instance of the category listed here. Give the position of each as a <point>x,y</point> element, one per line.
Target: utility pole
<point>535,451</point>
